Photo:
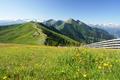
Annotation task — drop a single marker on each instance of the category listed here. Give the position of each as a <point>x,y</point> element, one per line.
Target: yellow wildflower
<point>110,65</point>
<point>105,64</point>
<point>84,75</point>
<point>5,77</point>
<point>99,67</point>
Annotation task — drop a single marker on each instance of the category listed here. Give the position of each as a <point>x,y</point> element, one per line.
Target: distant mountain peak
<point>70,21</point>
<point>78,21</point>
<point>51,20</point>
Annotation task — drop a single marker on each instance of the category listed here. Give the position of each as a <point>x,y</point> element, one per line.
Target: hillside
<point>33,33</point>
<point>79,31</point>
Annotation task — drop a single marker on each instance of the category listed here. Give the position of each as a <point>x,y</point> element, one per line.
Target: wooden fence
<point>114,43</point>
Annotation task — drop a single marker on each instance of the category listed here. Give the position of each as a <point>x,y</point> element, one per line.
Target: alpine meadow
<point>59,40</point>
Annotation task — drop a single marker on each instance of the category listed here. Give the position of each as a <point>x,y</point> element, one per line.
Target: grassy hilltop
<point>28,62</point>
<point>34,33</point>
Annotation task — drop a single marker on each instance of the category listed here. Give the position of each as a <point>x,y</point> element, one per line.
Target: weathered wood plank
<point>114,43</point>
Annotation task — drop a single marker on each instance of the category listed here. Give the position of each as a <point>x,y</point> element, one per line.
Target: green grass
<point>28,62</point>
<point>33,33</point>
<point>22,34</point>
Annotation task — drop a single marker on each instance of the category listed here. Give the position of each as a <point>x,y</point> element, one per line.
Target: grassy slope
<point>83,33</point>
<point>28,62</point>
<point>32,33</point>
<point>22,33</point>
<point>59,39</point>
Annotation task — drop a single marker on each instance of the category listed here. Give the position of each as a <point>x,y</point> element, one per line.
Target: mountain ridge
<point>33,33</point>
<point>113,29</point>
<point>53,32</point>
<point>80,31</point>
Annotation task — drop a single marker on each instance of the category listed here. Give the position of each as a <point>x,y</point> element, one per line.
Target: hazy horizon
<point>88,11</point>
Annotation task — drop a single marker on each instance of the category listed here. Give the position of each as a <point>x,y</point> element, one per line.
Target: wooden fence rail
<point>114,43</point>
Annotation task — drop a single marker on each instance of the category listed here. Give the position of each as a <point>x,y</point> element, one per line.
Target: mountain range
<point>10,22</point>
<point>79,31</point>
<point>51,32</point>
<point>33,33</point>
<point>113,29</point>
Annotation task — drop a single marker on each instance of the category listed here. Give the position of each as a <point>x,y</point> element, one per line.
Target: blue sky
<point>89,11</point>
